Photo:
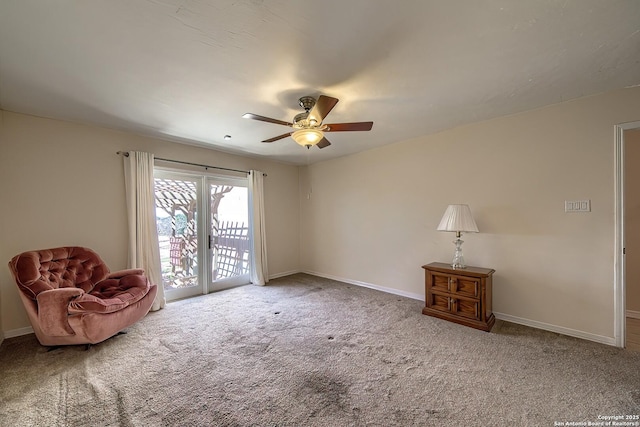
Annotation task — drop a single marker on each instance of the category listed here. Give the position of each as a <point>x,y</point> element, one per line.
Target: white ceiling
<point>187,70</point>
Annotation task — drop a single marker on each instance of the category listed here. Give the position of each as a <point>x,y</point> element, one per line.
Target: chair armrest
<point>122,273</point>
<point>53,310</point>
<point>111,295</point>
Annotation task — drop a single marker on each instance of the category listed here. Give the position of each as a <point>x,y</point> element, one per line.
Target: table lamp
<point>458,218</point>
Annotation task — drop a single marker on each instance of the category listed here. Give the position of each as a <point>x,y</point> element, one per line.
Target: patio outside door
<point>229,244</point>
<point>203,232</point>
<point>178,207</point>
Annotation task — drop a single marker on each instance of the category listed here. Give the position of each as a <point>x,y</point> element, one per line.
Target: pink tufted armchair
<point>72,298</point>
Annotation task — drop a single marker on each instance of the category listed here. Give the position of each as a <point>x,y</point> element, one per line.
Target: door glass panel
<point>176,217</point>
<point>229,233</point>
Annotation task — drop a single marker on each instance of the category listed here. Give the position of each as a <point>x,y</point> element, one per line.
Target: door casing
<point>619,303</point>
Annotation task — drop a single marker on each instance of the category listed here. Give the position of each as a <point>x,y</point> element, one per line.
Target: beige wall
<point>62,184</point>
<point>632,218</point>
<point>372,217</point>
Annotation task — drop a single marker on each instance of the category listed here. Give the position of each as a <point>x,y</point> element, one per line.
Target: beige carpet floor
<point>307,351</point>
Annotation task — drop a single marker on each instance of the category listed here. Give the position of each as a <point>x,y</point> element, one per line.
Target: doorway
<point>203,232</point>
<point>631,203</point>
<point>625,327</point>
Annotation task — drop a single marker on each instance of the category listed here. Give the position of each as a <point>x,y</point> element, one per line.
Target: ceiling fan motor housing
<point>300,119</point>
<point>307,102</point>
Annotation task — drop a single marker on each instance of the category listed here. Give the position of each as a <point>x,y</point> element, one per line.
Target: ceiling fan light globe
<point>307,137</point>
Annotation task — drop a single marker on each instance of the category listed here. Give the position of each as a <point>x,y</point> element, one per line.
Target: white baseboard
<point>501,316</point>
<point>286,273</point>
<point>557,329</point>
<point>368,285</point>
<point>18,332</point>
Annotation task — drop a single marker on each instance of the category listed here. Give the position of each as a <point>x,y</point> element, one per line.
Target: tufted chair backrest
<point>71,266</point>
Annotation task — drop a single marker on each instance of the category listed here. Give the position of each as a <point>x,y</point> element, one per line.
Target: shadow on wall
<point>506,220</point>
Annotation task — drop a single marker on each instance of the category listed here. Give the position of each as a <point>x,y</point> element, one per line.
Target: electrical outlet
<point>577,205</point>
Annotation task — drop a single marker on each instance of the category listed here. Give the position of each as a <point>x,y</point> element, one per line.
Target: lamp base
<point>458,258</point>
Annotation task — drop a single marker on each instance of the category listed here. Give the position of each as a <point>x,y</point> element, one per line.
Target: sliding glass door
<point>177,215</point>
<point>203,232</point>
<point>229,233</point>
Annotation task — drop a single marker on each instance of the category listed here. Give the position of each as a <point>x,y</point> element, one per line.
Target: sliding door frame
<point>202,288</point>
<point>230,282</point>
<point>203,207</point>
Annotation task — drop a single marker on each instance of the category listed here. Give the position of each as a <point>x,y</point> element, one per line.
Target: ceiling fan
<point>308,127</point>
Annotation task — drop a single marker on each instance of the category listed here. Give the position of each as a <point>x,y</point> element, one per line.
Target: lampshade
<point>307,137</point>
<point>458,218</point>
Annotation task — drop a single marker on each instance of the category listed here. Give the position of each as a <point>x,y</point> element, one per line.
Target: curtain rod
<point>126,154</point>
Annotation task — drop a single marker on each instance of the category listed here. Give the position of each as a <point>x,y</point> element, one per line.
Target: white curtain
<point>144,251</point>
<point>258,269</point>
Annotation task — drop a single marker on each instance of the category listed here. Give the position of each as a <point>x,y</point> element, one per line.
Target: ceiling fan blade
<point>324,142</point>
<point>266,119</point>
<point>323,106</point>
<point>277,138</point>
<point>345,127</point>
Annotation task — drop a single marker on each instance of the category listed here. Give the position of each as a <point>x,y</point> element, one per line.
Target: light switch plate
<point>577,205</point>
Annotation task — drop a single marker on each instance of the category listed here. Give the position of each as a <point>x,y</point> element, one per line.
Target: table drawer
<point>439,302</point>
<point>440,282</point>
<point>466,286</point>
<point>466,308</point>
